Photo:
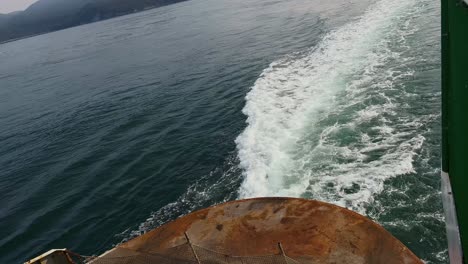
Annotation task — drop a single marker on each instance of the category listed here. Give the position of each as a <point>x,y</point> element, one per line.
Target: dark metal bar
<point>455,125</point>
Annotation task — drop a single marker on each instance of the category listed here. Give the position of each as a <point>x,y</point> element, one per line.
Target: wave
<point>326,124</point>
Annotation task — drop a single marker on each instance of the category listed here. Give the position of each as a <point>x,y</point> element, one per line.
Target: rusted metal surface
<point>309,231</point>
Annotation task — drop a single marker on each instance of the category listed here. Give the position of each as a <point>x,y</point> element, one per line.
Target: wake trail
<point>325,125</point>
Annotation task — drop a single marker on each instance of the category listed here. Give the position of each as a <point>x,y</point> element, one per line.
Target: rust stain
<point>312,231</point>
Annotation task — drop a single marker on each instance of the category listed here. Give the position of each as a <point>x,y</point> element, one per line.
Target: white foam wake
<point>289,147</point>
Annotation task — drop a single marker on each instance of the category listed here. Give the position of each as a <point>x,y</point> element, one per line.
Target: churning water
<point>111,129</point>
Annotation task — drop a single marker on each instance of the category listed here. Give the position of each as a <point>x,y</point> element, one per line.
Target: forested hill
<point>51,15</point>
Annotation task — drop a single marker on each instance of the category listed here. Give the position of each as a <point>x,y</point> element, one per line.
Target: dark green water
<point>111,129</point>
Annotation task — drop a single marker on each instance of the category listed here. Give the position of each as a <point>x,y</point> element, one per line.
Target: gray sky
<point>7,6</point>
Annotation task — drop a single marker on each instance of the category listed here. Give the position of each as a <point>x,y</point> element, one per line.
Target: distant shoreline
<point>91,22</point>
<point>29,36</point>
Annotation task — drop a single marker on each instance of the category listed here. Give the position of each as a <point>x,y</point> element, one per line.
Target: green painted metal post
<point>455,113</point>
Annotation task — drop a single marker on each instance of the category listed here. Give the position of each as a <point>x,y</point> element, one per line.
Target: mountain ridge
<point>47,16</point>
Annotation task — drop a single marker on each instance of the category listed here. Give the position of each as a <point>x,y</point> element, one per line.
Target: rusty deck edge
<point>276,199</point>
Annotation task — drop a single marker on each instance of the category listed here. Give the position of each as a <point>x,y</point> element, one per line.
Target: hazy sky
<point>7,6</point>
